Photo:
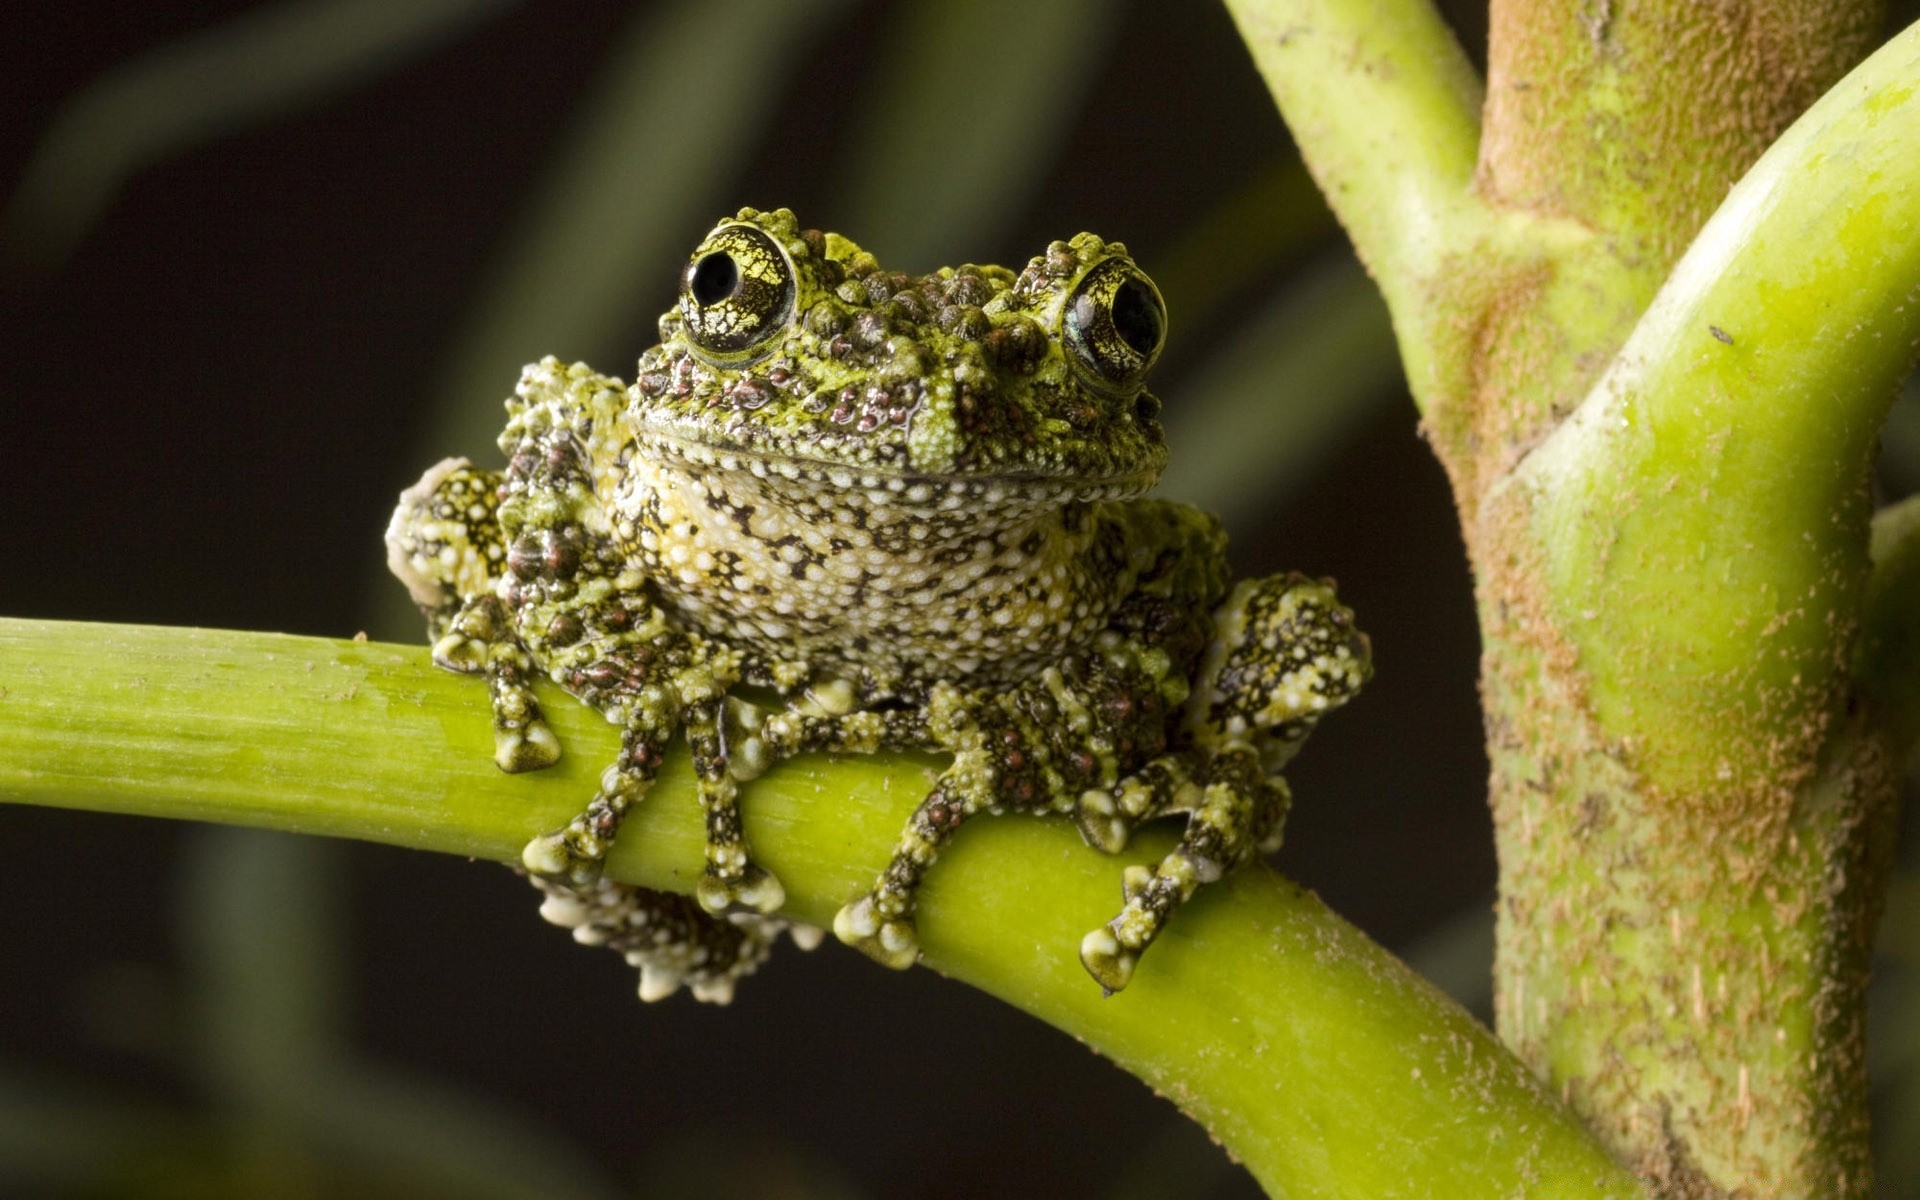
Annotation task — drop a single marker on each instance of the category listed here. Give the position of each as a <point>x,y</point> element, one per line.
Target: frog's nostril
<point>714,278</point>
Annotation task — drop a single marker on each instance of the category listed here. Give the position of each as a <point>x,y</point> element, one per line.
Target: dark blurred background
<point>262,263</point>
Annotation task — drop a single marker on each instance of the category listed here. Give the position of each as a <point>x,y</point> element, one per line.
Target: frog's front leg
<point>1034,748</point>
<point>478,640</point>
<point>609,644</point>
<point>1232,806</point>
<point>880,924</point>
<point>1284,653</point>
<point>586,610</point>
<point>732,882</point>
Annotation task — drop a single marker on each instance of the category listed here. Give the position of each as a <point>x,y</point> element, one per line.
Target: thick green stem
<point>1693,789</point>
<point>1385,108</point>
<point>1696,684</point>
<point>1695,986</point>
<point>1633,118</point>
<point>1704,515</point>
<point>1301,1045</point>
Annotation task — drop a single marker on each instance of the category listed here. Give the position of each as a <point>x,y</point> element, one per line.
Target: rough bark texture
<point>1685,963</point>
<point>1696,996</point>
<point>1634,117</point>
<point>1660,446</point>
<point>1612,130</point>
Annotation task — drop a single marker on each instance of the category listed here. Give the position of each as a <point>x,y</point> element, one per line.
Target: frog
<point>846,509</point>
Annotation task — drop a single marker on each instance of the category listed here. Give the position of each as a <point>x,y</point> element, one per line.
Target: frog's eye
<point>737,291</point>
<point>1116,323</point>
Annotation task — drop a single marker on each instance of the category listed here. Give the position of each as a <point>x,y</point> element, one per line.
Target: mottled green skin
<point>911,509</point>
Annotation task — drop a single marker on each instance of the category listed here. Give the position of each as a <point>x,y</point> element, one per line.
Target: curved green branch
<point>1704,514</point>
<point>1301,1045</point>
<point>1385,108</point>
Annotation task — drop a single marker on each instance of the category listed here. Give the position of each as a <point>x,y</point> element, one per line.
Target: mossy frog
<point>910,508</point>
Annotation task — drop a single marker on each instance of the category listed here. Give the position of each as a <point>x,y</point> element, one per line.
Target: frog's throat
<point>884,483</point>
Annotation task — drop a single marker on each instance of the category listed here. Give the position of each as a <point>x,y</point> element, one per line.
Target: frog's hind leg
<point>668,938</point>
<point>1233,808</point>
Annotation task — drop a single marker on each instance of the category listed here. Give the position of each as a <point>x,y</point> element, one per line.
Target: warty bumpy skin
<point>912,509</point>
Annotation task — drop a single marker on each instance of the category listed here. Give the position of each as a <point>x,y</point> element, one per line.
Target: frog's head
<point>792,352</point>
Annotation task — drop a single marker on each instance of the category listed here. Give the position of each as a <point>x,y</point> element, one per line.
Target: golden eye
<point>737,292</point>
<point>1116,322</point>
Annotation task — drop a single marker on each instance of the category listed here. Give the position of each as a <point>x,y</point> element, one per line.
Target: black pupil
<point>714,278</point>
<point>1136,318</point>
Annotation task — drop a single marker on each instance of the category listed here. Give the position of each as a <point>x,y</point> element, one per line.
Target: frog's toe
<point>555,856</point>
<point>1110,963</point>
<point>890,942</point>
<point>656,982</point>
<point>1100,822</point>
<point>455,651</point>
<point>754,889</point>
<point>528,748</point>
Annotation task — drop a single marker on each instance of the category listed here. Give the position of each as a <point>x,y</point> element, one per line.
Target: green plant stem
<point>1694,812</point>
<point>1704,514</point>
<point>1301,1045</point>
<point>1693,809</point>
<point>1591,107</point>
<point>1385,108</point>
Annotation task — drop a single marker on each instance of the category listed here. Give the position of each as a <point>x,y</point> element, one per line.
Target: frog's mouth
<point>882,470</point>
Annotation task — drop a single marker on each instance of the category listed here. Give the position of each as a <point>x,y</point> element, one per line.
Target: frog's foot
<point>880,923</point>
<point>529,747</point>
<point>1107,817</point>
<point>750,889</point>
<point>478,640</point>
<point>1111,952</point>
<point>569,856</point>
<point>1107,960</point>
<point>667,937</point>
<point>890,941</point>
<point>1285,652</point>
<point>574,854</point>
<point>1232,810</point>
